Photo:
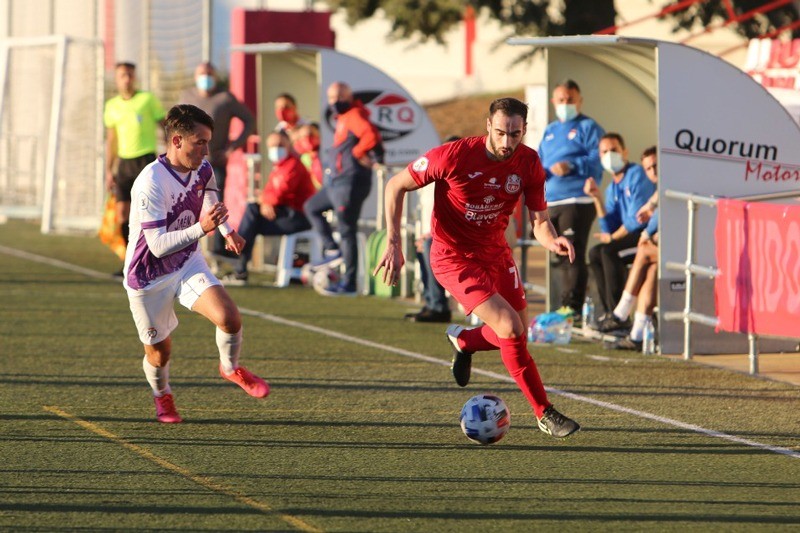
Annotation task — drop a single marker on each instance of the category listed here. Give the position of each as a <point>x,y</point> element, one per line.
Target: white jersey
<point>162,198</point>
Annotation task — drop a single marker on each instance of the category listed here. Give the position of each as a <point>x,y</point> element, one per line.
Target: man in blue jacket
<point>569,155</point>
<point>620,229</point>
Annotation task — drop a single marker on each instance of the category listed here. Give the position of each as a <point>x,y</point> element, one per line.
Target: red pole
<point>469,31</point>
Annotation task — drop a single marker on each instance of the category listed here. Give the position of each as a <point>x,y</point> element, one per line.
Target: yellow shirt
<point>135,120</point>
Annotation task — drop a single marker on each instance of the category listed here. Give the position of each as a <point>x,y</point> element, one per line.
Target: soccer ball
<point>307,274</point>
<point>325,278</point>
<point>485,419</point>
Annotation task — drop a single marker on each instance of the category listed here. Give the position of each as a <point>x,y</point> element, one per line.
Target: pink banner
<point>758,254</point>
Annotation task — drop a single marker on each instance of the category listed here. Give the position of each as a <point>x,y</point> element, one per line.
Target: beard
<point>502,153</point>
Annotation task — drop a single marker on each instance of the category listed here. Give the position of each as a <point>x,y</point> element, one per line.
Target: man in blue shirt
<point>569,155</point>
<point>620,229</point>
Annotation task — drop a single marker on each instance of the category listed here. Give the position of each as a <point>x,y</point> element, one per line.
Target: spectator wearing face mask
<point>280,208</point>
<point>289,119</point>
<point>307,145</point>
<point>629,190</point>
<point>347,182</point>
<point>569,155</point>
<point>223,107</point>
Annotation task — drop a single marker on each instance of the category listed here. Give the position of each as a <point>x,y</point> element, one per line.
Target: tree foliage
<point>424,20</point>
<point>700,15</point>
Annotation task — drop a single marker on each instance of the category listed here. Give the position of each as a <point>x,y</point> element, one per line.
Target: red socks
<point>480,339</point>
<point>520,366</point>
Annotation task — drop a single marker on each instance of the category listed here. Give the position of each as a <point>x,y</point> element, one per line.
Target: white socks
<point>230,346</point>
<point>639,320</point>
<point>157,377</point>
<point>623,309</point>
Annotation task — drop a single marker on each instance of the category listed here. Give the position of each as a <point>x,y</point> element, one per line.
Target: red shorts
<point>473,279</point>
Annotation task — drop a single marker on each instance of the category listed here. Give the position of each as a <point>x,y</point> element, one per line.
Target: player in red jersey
<point>478,182</point>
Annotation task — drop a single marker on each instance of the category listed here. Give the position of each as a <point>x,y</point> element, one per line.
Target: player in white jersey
<point>163,262</point>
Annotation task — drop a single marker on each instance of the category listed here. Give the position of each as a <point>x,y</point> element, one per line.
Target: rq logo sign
<point>393,114</point>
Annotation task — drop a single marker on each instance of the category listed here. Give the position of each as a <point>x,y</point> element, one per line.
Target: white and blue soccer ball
<point>485,419</point>
<point>325,278</point>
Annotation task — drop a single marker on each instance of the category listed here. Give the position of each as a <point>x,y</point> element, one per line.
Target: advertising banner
<point>758,254</point>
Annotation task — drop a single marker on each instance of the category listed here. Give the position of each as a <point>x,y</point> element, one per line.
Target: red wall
<point>250,27</point>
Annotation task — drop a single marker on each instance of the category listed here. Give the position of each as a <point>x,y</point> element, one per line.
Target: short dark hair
<point>570,85</point>
<point>615,137</point>
<point>183,118</point>
<point>509,106</point>
<point>288,97</point>
<point>649,151</point>
<point>125,64</point>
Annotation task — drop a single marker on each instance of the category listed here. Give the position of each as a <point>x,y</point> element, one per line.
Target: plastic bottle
<point>562,333</point>
<point>587,313</point>
<point>648,338</point>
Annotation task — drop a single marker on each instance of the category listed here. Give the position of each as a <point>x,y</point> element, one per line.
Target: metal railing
<point>690,269</point>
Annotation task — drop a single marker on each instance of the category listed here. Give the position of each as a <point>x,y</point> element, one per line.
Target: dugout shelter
<point>719,133</point>
<point>306,71</point>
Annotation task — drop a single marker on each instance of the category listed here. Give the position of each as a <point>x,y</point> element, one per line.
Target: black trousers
<point>573,221</point>
<point>287,221</point>
<point>609,269</point>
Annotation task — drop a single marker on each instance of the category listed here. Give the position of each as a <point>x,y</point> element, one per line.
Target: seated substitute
<point>642,283</point>
<point>280,208</point>
<point>628,191</point>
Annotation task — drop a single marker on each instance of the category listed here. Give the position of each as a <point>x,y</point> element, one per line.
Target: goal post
<point>51,131</point>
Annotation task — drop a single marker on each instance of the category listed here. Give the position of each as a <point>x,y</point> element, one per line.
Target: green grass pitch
<point>361,430</point>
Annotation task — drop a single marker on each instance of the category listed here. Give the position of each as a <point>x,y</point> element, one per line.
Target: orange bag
<point>110,232</point>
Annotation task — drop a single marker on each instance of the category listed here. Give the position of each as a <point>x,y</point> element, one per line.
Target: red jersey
<point>289,184</point>
<point>475,195</point>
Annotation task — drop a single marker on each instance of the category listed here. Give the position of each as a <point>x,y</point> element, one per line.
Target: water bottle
<point>648,338</point>
<point>587,313</point>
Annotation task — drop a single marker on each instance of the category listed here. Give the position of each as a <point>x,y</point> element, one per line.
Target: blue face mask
<point>566,112</point>
<point>276,154</point>
<point>204,82</point>
<point>613,162</point>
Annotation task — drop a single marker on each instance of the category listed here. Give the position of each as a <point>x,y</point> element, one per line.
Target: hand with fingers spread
<point>392,262</point>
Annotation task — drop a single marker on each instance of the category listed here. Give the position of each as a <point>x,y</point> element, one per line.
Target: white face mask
<point>612,162</point>
<point>276,154</point>
<point>566,112</point>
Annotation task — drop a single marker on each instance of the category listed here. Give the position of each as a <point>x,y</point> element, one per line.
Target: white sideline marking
<point>56,263</point>
<point>437,361</point>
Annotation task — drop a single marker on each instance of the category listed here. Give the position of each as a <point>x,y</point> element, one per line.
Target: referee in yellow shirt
<point>131,119</point>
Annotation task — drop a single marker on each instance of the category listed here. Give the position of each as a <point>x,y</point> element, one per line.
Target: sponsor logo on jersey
<point>549,137</point>
<point>420,164</point>
<point>488,199</point>
<point>143,201</point>
<point>491,184</point>
<point>572,134</point>
<point>513,184</point>
<point>474,175</point>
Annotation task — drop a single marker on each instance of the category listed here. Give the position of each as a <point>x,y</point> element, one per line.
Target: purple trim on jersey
<point>163,160</point>
<point>154,224</point>
<point>184,212</point>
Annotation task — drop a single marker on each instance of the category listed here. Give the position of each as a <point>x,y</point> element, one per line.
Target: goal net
<point>51,131</point>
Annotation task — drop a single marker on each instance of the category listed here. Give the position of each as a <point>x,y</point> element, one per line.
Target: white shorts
<point>153,307</point>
